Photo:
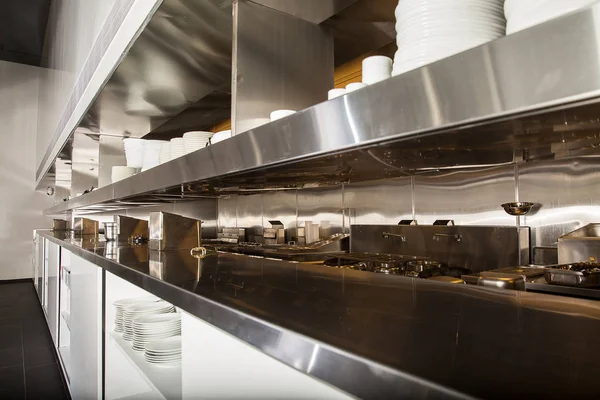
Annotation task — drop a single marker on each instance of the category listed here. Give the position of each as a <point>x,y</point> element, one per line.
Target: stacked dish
<point>165,153</point>
<point>120,306</point>
<point>154,327</point>
<point>142,310</point>
<point>118,173</point>
<point>196,140</point>
<point>522,14</point>
<point>176,148</point>
<point>152,149</point>
<point>429,30</point>
<point>134,152</point>
<point>220,136</point>
<point>164,351</point>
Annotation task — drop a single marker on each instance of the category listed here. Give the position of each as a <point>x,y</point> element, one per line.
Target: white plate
<point>161,318</point>
<point>136,300</point>
<point>165,345</point>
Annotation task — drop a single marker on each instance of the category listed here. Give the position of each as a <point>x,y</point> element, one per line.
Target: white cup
<point>333,93</point>
<point>351,87</point>
<point>177,149</point>
<point>119,173</point>
<point>278,114</point>
<point>376,69</point>
<point>134,152</point>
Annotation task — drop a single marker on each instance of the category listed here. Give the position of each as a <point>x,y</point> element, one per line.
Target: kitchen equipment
<point>61,225</point>
<point>580,245</point>
<point>501,280</point>
<point>333,93</point>
<point>275,234</point>
<point>577,274</point>
<point>111,231</point>
<point>529,273</point>
<point>517,208</point>
<point>447,279</point>
<point>278,114</point>
<point>173,232</point>
<point>84,227</point>
<point>422,265</point>
<point>311,232</point>
<point>376,69</point>
<point>129,227</point>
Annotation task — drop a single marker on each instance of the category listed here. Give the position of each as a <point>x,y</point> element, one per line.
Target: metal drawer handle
<point>387,235</point>
<point>455,236</point>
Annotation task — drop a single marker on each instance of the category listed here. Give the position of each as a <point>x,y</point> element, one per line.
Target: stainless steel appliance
<point>580,245</point>
<point>129,227</point>
<point>173,232</point>
<point>85,227</point>
<point>111,232</point>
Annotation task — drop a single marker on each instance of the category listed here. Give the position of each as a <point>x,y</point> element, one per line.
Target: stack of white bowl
<point>195,140</point>
<point>176,148</point>
<point>134,152</point>
<point>121,304</point>
<point>220,136</point>
<point>164,352</point>
<point>522,14</point>
<point>130,313</point>
<point>374,69</point>
<point>165,153</point>
<point>154,327</point>
<point>119,173</point>
<point>279,114</point>
<point>152,150</point>
<point>429,30</point>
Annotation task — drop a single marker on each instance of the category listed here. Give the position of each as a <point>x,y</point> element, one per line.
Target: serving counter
<point>374,335</point>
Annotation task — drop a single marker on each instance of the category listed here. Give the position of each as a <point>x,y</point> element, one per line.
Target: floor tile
<point>12,384</point>
<point>45,383</point>
<point>37,338</point>
<point>11,357</point>
<point>38,356</point>
<point>10,336</point>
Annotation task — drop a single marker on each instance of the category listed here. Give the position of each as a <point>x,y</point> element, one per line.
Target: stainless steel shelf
<point>531,94</point>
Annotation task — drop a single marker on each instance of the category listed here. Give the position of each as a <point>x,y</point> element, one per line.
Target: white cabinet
<point>51,276</point>
<point>85,329</point>
<point>38,266</point>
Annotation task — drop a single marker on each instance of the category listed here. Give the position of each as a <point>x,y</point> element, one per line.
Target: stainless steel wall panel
<point>250,215</point>
<point>321,206</point>
<point>272,50</point>
<point>227,212</point>
<point>204,210</point>
<point>281,206</point>
<point>379,202</point>
<point>315,11</point>
<point>471,197</point>
<point>566,193</point>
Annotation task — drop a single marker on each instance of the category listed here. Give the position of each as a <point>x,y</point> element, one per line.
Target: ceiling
<point>22,30</point>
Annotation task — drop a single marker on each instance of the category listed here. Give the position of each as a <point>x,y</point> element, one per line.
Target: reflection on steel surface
<point>471,339</point>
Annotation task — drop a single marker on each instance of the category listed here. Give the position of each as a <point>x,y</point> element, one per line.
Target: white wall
<point>20,205</point>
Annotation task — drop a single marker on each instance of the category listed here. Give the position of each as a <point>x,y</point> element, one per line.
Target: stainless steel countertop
<point>377,336</point>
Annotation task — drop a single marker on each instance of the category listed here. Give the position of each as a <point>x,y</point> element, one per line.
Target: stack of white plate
<point>176,150</point>
<point>164,351</point>
<point>134,152</point>
<point>152,150</point>
<point>165,153</point>
<point>142,310</point>
<point>220,136</point>
<point>522,14</point>
<point>154,327</point>
<point>429,30</point>
<point>196,140</point>
<point>118,173</point>
<point>121,304</point>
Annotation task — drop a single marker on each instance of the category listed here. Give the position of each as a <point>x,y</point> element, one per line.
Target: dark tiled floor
<point>28,365</point>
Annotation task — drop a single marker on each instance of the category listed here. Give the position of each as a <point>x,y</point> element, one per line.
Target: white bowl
<point>152,150</point>
<point>220,136</point>
<point>119,173</point>
<point>351,87</point>
<point>333,93</point>
<point>176,148</point>
<point>134,152</point>
<point>165,153</point>
<point>278,114</point>
<point>376,69</point>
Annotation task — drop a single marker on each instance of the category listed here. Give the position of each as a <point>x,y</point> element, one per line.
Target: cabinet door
<point>51,287</point>
<point>38,264</point>
<point>85,366</point>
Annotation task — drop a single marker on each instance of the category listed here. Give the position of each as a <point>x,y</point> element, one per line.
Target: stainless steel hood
<point>529,95</point>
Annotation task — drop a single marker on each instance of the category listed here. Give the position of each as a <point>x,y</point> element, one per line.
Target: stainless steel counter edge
<point>480,86</point>
<point>359,377</point>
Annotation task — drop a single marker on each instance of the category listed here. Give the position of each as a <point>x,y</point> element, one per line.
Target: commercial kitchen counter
<point>374,335</point>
